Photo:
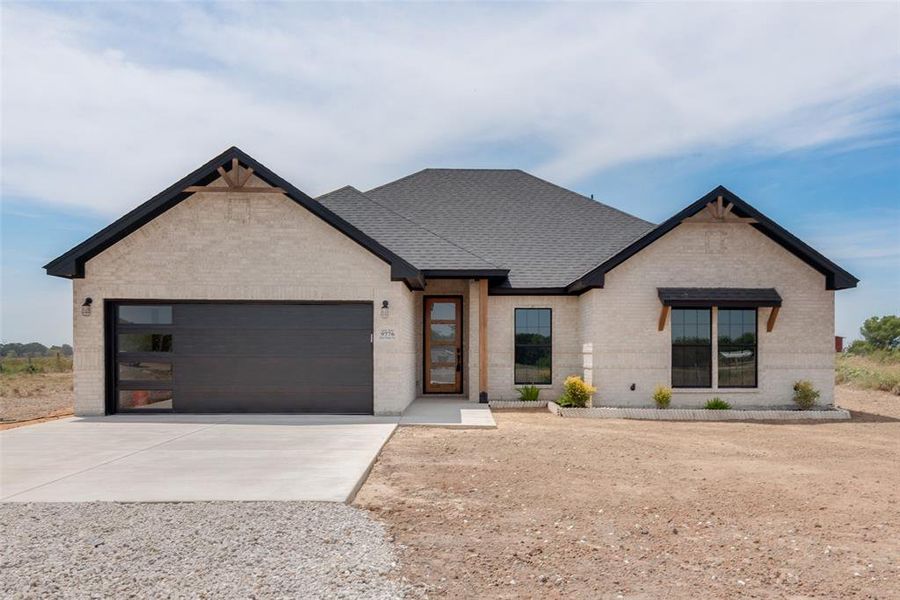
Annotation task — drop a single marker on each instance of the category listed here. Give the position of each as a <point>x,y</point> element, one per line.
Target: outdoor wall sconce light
<point>86,307</point>
<point>385,309</point>
<point>633,387</point>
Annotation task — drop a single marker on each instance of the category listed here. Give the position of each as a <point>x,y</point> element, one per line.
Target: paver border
<point>698,414</point>
<point>515,404</point>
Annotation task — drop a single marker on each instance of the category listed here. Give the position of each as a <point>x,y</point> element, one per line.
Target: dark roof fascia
<point>510,291</point>
<point>836,278</point>
<point>720,297</point>
<point>493,275</point>
<point>71,264</point>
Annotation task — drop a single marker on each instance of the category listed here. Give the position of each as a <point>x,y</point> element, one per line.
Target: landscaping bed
<point>697,414</point>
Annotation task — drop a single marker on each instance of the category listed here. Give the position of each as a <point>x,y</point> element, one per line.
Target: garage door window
<point>145,315</point>
<point>144,346</point>
<point>143,400</point>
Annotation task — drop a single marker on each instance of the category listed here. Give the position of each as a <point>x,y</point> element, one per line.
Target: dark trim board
<point>511,291</point>
<point>836,278</point>
<point>71,264</point>
<point>492,275</point>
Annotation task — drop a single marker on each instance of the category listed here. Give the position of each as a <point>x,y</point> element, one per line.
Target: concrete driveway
<point>146,458</point>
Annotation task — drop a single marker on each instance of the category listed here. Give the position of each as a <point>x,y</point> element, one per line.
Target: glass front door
<point>443,345</point>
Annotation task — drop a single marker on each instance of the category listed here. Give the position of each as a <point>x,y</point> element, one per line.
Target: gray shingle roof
<point>547,236</point>
<point>417,245</point>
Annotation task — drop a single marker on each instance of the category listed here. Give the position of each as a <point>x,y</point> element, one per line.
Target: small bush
<point>576,393</point>
<point>662,395</point>
<point>717,404</point>
<point>529,393</point>
<point>805,395</point>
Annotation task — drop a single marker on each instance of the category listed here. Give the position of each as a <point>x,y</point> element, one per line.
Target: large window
<point>533,346</point>
<point>737,347</point>
<point>691,348</point>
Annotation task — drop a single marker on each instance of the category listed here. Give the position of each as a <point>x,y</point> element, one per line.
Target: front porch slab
<point>448,412</point>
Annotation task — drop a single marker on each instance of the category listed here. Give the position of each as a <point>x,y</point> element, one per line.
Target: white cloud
<point>97,115</point>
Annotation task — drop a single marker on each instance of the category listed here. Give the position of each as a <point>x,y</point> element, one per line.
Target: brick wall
<point>566,352</point>
<point>244,247</point>
<point>620,320</point>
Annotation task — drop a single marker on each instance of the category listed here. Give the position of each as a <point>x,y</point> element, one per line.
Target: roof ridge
<point>583,197</point>
<point>404,178</point>
<point>419,225</point>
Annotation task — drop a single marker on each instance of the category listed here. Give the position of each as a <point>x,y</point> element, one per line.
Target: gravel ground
<point>26,396</point>
<point>194,550</point>
<point>583,508</point>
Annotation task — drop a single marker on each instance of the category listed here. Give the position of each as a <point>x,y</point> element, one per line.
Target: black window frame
<point>672,346</point>
<point>516,345</point>
<point>755,385</point>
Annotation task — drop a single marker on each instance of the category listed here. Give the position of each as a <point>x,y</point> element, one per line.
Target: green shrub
<point>805,395</point>
<point>662,395</point>
<point>576,393</point>
<point>529,393</point>
<point>717,404</point>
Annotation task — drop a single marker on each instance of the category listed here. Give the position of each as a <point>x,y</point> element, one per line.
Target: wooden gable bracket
<point>770,324</point>
<point>718,212</point>
<point>235,182</point>
<point>663,316</point>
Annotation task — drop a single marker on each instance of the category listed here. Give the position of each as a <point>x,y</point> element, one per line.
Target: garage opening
<point>227,357</point>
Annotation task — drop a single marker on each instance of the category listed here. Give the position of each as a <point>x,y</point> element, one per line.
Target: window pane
<point>443,332</point>
<point>691,348</point>
<point>533,346</point>
<point>443,375</point>
<point>443,311</point>
<point>145,371</point>
<point>145,342</point>
<point>145,400</point>
<point>145,315</point>
<point>691,366</point>
<point>443,354</point>
<point>737,353</point>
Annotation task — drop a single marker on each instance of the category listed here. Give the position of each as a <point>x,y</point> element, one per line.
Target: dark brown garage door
<point>224,358</point>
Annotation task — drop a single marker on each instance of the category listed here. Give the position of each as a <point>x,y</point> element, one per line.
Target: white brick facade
<point>620,320</point>
<point>243,247</point>
<point>566,339</point>
<point>266,247</point>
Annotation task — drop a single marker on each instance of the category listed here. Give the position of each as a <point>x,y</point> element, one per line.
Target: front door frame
<point>426,348</point>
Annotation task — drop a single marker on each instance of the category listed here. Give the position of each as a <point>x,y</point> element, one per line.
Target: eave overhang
<point>720,297</point>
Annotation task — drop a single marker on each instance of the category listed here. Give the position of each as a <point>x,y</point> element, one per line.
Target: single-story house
<point>233,291</point>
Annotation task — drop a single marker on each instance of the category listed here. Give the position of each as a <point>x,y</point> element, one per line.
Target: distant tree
<point>882,333</point>
<point>35,349</point>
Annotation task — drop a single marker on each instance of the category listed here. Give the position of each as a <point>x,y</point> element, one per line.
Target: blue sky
<point>795,107</point>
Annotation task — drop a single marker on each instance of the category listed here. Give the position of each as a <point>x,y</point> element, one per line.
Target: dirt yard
<point>550,507</point>
<point>28,396</point>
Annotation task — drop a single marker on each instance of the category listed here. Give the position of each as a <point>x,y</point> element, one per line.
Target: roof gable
<point>71,264</point>
<point>836,278</point>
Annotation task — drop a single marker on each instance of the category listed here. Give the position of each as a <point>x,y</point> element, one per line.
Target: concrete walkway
<point>448,412</point>
<point>191,457</point>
